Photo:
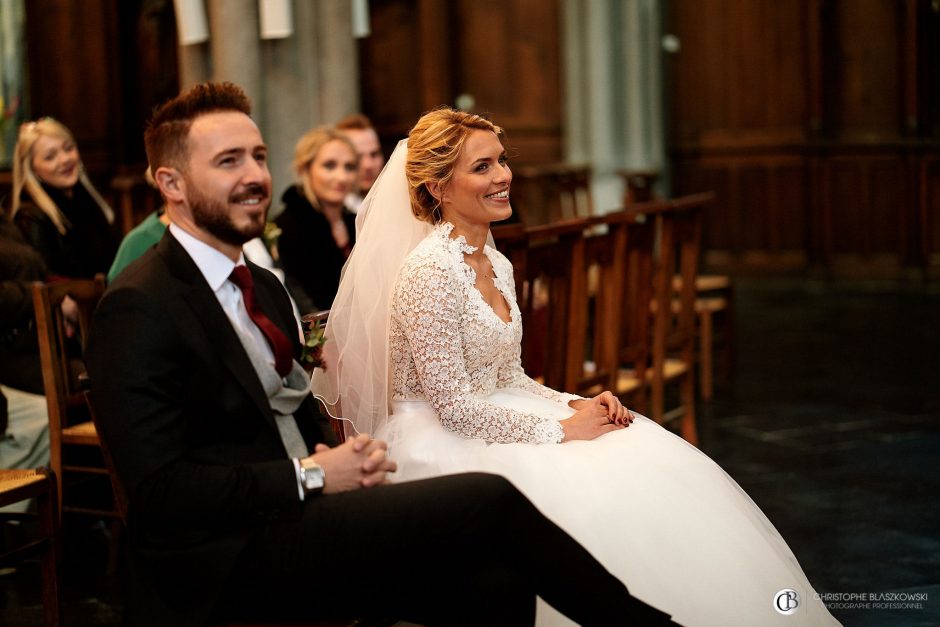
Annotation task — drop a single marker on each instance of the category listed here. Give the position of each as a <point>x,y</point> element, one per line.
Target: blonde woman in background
<point>55,205</point>
<point>317,230</point>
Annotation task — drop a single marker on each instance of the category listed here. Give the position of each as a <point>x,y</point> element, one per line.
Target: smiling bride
<point>423,351</point>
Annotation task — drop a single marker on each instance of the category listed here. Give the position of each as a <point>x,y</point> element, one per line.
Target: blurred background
<point>816,122</point>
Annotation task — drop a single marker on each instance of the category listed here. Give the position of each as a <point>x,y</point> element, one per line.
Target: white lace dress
<point>659,514</point>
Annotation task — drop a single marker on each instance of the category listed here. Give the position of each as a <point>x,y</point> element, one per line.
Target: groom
<point>210,425</point>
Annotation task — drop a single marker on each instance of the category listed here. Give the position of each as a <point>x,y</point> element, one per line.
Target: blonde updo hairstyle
<point>24,177</point>
<point>306,151</point>
<point>434,145</point>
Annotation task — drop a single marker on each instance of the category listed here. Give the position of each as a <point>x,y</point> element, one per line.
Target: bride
<point>423,351</point>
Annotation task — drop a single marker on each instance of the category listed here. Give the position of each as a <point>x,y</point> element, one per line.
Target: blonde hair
<point>24,178</point>
<point>306,151</point>
<point>434,145</point>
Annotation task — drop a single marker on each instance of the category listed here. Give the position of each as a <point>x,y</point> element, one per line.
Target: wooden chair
<point>551,193</point>
<point>512,241</point>
<point>713,292</point>
<point>598,334</point>
<point>552,278</point>
<point>74,446</point>
<point>612,247</point>
<point>134,198</point>
<point>39,484</point>
<point>639,226</point>
<point>120,495</point>
<point>673,348</point>
<point>714,308</point>
<point>638,186</point>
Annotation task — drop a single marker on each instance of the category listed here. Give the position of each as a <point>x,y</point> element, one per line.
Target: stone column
<point>337,58</point>
<point>291,94</point>
<point>642,96</point>
<point>193,65</point>
<point>235,47</point>
<point>612,90</point>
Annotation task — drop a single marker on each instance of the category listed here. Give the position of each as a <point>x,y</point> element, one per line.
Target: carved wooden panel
<point>811,121</point>
<point>502,54</point>
<point>863,87</point>
<point>100,66</point>
<point>73,58</point>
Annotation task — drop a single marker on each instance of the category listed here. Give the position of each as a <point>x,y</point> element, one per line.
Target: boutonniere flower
<point>314,339</point>
<point>270,236</point>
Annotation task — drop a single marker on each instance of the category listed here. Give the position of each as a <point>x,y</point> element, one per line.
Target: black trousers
<point>459,550</point>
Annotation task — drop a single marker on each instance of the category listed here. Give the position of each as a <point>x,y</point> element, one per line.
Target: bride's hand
<point>590,421</point>
<point>616,412</point>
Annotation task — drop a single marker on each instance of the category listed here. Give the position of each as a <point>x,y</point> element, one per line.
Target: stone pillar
<point>291,94</point>
<point>642,96</point>
<point>193,65</point>
<point>235,47</point>
<point>337,58</point>
<point>612,90</point>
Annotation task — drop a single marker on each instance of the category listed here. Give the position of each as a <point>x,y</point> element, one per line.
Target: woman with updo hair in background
<point>317,230</point>
<point>55,205</point>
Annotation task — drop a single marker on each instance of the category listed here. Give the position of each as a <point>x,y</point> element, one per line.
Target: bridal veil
<point>356,385</point>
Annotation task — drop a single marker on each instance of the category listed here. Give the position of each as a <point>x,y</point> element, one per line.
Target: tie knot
<point>241,276</point>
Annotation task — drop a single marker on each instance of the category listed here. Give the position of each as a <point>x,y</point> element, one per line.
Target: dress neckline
<point>458,247</point>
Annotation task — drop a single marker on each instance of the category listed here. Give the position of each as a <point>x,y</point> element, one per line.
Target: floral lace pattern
<point>450,348</point>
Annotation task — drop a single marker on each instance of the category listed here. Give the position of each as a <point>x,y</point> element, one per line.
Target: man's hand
<point>70,315</point>
<point>359,462</point>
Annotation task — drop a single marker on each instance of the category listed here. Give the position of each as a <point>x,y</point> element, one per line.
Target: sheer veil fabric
<point>355,385</point>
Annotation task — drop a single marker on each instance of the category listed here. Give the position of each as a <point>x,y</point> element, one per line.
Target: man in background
<point>358,128</point>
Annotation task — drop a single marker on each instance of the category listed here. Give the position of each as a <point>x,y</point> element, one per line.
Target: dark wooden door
<point>499,57</point>
<point>815,122</point>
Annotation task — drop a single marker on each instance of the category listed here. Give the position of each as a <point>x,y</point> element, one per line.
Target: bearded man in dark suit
<point>240,503</point>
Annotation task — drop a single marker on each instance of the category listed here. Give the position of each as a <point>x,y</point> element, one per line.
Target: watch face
<point>313,478</point>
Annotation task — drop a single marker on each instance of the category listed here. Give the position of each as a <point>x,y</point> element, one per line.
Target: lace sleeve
<point>427,305</point>
<point>513,376</point>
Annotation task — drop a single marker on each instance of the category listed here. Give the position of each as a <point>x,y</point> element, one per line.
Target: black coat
<point>20,265</point>
<point>87,248</point>
<point>307,252</point>
<point>190,430</point>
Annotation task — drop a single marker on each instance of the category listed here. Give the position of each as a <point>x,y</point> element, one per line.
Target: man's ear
<point>171,184</point>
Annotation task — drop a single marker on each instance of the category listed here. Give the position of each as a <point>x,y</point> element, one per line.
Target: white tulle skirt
<point>657,512</point>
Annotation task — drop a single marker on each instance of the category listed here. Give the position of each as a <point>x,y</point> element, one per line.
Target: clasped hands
<point>595,417</point>
<point>359,462</point>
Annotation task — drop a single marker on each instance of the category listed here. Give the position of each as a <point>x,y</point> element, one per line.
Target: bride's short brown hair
<point>434,145</point>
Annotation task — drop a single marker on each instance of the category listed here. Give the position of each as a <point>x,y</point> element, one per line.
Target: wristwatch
<point>312,476</point>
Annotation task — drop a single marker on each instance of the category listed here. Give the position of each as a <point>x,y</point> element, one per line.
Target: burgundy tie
<point>241,277</point>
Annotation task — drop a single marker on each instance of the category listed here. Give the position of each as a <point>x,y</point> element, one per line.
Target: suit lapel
<point>214,323</point>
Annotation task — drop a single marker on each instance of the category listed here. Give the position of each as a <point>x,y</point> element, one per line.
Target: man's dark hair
<point>166,133</point>
<point>354,122</point>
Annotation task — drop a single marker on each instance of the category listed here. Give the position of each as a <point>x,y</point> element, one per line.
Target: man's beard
<point>214,217</point>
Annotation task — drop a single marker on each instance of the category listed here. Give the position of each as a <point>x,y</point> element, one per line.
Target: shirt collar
<point>214,265</point>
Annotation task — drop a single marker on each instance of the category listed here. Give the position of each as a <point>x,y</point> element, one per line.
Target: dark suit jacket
<point>190,430</point>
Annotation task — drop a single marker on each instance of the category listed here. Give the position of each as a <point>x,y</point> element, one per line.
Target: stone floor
<point>830,421</point>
